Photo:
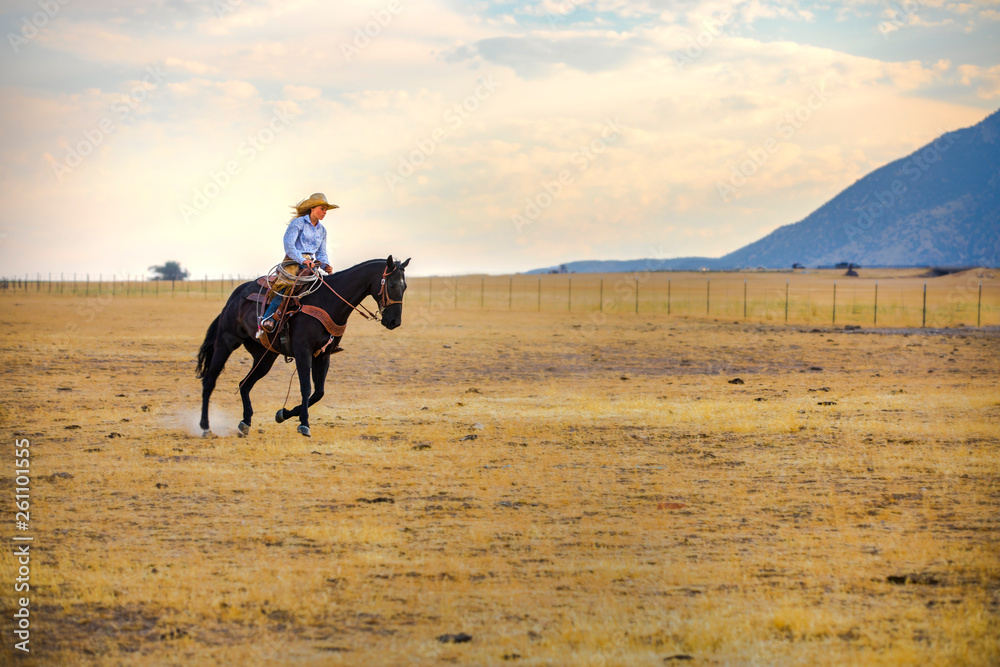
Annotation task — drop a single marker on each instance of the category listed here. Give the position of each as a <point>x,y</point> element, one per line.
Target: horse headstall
<point>384,300</point>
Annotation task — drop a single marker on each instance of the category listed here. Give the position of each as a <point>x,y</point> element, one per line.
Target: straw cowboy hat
<point>314,200</point>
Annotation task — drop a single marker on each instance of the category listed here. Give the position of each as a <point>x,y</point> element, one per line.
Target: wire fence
<point>968,299</point>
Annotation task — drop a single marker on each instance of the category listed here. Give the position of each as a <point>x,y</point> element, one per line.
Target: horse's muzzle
<point>392,316</point>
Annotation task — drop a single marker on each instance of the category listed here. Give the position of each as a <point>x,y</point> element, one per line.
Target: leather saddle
<point>279,340</point>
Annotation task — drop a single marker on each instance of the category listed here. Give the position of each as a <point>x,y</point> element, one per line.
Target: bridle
<point>384,300</point>
<point>383,292</point>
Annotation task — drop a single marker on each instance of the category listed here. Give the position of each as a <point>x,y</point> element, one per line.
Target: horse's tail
<point>207,348</point>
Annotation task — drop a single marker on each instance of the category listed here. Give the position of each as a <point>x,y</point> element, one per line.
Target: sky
<point>474,137</point>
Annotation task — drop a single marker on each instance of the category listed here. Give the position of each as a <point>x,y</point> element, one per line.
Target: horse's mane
<point>343,272</point>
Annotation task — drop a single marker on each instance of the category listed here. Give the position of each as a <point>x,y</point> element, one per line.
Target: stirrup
<point>268,324</point>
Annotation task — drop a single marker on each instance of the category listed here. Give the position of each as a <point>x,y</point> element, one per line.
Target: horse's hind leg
<point>263,359</point>
<point>224,346</point>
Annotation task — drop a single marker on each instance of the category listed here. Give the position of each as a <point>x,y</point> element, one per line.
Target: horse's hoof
<point>304,430</point>
<point>244,429</point>
<point>207,433</point>
<point>279,416</point>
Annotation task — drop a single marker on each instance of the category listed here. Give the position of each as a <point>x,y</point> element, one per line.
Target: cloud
<point>349,123</point>
<point>302,93</point>
<point>986,80</point>
<point>190,66</point>
<point>533,56</point>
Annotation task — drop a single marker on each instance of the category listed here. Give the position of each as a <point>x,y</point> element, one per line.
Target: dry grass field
<point>878,297</point>
<point>558,488</point>
<point>875,298</point>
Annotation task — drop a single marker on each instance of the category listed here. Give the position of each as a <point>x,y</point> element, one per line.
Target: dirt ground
<point>494,488</point>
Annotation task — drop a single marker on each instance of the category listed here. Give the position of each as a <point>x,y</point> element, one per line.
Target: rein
<point>383,294</point>
<point>361,310</point>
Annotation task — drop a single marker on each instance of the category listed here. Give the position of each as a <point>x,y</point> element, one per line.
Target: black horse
<point>310,341</point>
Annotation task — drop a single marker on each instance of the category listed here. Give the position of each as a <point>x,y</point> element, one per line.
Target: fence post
<point>979,308</point>
<point>87,292</point>
<point>923,321</point>
<point>875,318</point>
<point>834,303</point>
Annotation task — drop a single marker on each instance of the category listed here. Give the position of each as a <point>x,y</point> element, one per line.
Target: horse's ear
<point>403,265</point>
<point>390,263</point>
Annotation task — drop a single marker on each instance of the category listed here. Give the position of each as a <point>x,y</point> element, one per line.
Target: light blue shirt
<point>301,236</point>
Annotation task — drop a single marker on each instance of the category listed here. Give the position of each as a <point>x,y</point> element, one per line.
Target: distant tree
<point>169,271</point>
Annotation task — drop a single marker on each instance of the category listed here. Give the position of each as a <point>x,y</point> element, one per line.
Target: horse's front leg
<point>303,363</point>
<point>320,366</point>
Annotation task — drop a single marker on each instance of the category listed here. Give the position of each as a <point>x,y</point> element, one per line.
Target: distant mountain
<point>940,205</point>
<point>626,265</point>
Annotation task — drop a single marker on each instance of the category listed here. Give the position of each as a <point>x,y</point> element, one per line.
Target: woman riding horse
<point>314,333</point>
<point>305,247</point>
